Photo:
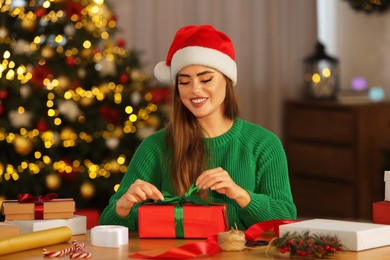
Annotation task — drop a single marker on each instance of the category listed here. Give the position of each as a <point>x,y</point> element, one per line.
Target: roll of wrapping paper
<point>36,239</point>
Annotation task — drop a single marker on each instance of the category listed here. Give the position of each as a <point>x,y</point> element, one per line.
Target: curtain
<point>271,38</point>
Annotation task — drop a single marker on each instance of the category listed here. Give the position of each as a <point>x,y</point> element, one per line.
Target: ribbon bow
<point>38,201</point>
<point>187,197</point>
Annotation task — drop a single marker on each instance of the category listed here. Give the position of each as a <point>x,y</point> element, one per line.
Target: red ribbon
<point>210,246</point>
<point>38,201</point>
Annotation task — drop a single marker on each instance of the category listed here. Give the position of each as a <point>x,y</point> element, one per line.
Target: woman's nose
<point>196,87</point>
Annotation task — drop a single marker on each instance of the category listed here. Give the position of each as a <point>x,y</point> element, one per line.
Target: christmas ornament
<point>145,132</point>
<point>28,23</point>
<point>67,134</point>
<point>47,52</point>
<point>81,72</point>
<point>110,115</point>
<point>22,47</point>
<point>118,132</point>
<point>121,42</point>
<point>124,78</point>
<point>53,181</point>
<point>106,67</point>
<point>114,166</point>
<point>69,109</point>
<point>69,30</point>
<point>63,83</point>
<point>22,145</point>
<point>153,121</point>
<point>39,74</point>
<point>1,108</point>
<point>87,190</point>
<point>42,126</point>
<point>25,91</point>
<point>86,101</point>
<point>135,98</point>
<point>65,170</point>
<point>20,119</point>
<point>71,61</point>
<point>3,94</point>
<point>112,143</point>
<point>3,32</point>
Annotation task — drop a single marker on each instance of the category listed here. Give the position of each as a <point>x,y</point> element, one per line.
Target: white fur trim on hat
<point>196,55</point>
<point>163,73</point>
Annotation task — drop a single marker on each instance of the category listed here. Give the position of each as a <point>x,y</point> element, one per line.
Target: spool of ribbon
<point>38,201</point>
<point>109,236</point>
<point>188,197</point>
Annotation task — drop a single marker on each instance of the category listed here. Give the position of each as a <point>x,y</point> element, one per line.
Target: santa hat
<point>198,45</point>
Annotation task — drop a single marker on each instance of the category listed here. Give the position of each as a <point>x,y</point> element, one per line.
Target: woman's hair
<point>189,157</point>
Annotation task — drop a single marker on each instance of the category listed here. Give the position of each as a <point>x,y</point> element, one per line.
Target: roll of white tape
<point>109,236</point>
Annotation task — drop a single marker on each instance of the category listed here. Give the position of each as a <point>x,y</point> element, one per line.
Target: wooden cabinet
<point>335,156</point>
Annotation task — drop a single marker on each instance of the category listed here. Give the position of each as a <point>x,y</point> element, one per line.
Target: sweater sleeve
<point>146,164</point>
<point>272,198</point>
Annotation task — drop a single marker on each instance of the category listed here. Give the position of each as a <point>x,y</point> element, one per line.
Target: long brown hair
<point>185,139</point>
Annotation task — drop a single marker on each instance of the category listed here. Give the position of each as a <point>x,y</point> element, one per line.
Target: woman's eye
<point>183,82</point>
<point>207,80</point>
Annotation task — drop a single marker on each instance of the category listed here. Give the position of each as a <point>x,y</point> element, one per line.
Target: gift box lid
<point>53,206</point>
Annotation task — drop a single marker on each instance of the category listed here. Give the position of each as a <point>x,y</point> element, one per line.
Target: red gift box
<point>198,221</point>
<point>381,212</point>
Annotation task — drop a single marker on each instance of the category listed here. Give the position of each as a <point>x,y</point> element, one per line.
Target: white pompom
<point>163,73</point>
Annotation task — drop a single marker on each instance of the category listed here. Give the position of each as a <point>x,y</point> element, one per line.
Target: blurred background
<point>77,92</point>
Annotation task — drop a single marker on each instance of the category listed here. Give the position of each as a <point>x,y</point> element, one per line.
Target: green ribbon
<point>178,210</point>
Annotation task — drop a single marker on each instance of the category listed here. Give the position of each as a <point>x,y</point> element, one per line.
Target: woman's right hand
<point>138,192</point>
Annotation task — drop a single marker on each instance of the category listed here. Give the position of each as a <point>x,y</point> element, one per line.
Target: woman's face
<point>202,90</point>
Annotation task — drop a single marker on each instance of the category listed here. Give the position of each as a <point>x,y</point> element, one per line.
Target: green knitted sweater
<point>253,156</point>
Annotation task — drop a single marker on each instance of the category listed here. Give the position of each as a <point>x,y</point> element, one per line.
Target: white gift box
<point>355,236</point>
<point>387,185</point>
<point>78,224</point>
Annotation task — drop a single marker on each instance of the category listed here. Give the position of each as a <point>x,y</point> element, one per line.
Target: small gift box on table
<point>28,207</point>
<point>186,217</point>
<point>381,209</point>
<point>354,236</point>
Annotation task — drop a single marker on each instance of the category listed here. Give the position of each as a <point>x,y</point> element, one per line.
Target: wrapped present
<point>387,185</point>
<point>8,230</point>
<point>186,217</point>
<point>28,207</point>
<point>77,224</point>
<point>381,212</point>
<point>354,236</point>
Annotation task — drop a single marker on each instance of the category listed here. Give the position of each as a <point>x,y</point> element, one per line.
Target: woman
<point>231,160</point>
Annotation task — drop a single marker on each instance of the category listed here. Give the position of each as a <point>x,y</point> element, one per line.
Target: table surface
<point>157,246</point>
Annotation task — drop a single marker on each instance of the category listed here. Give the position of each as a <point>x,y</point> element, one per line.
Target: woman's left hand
<point>219,180</point>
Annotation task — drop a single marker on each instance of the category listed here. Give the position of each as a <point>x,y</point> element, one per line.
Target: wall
<point>361,42</point>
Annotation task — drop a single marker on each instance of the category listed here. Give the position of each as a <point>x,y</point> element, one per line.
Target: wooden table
<point>160,245</point>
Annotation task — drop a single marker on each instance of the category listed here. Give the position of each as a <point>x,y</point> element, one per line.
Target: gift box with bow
<point>28,207</point>
<point>185,217</point>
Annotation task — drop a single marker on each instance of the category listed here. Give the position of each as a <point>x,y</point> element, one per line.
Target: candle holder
<point>321,75</point>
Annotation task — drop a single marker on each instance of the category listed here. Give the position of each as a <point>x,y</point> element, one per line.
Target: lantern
<point>321,75</point>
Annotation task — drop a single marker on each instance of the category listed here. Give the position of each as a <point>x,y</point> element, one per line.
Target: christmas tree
<point>74,103</point>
